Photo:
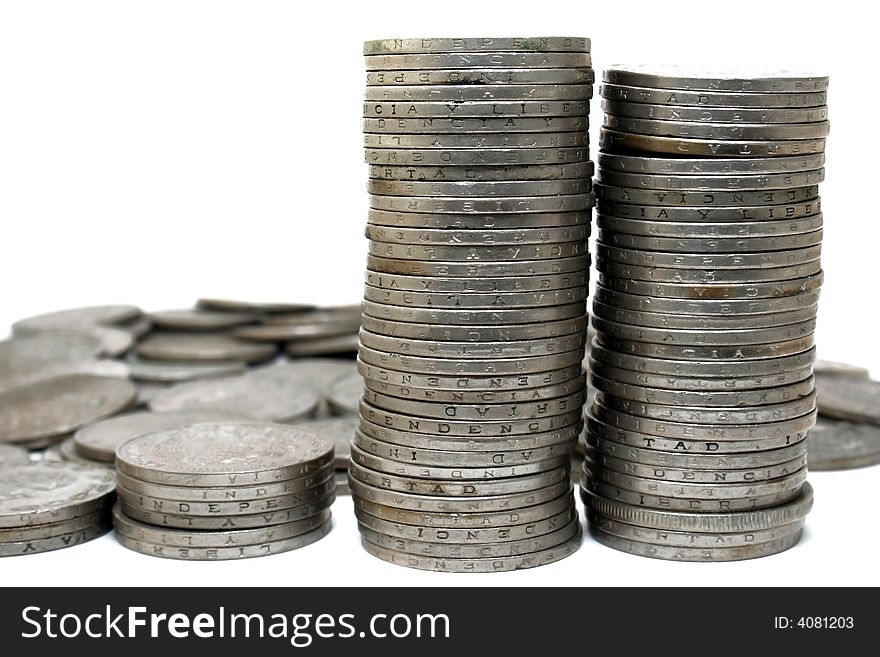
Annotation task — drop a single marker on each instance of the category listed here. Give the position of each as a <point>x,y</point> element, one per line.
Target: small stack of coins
<point>474,315</point>
<point>708,256</point>
<point>223,491</point>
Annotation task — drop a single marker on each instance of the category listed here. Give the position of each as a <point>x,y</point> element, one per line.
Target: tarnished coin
<point>477,238</point>
<point>476,156</point>
<point>714,291</point>
<point>43,493</point>
<point>199,320</point>
<point>472,173</point>
<point>711,99</point>
<point>224,454</point>
<point>337,431</point>
<point>481,125</point>
<point>712,183</point>
<point>12,455</point>
<point>475,109</point>
<point>483,204</point>
<point>475,300</point>
<point>484,269</point>
<point>699,167</point>
<point>467,316</point>
<point>255,398</point>
<point>525,45</point>
<point>707,276</point>
<point>460,60</point>
<point>99,440</point>
<point>615,141</point>
<point>849,398</point>
<point>158,371</point>
<point>203,347</point>
<point>77,318</point>
<point>719,131</point>
<point>656,76</point>
<point>47,410</point>
<point>735,115</point>
<point>469,350</point>
<point>476,334</point>
<point>55,529</point>
<point>58,542</point>
<point>739,198</point>
<point>841,445</point>
<point>240,306</point>
<point>712,213</point>
<point>504,284</point>
<point>41,372</point>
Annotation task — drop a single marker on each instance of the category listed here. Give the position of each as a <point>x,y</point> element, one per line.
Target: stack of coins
<point>708,256</point>
<point>223,491</point>
<point>50,506</point>
<point>474,315</point>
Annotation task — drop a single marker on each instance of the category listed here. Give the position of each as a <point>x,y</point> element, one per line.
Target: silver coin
<point>718,131</point>
<point>683,461</point>
<point>478,44</point>
<point>476,109</point>
<point>504,284</point>
<point>447,237</point>
<point>47,410</point>
<point>676,502</point>
<point>298,332</point>
<point>20,377</point>
<point>460,411</point>
<point>13,455</point>
<point>228,523</point>
<point>347,313</point>
<point>451,459</point>
<point>468,300</point>
<point>707,307</point>
<point>709,260</point>
<point>742,336</point>
<point>620,431</point>
<point>477,334</point>
<point>726,398</point>
<point>241,306</point>
<point>203,347</point>
<point>271,400</point>
<point>481,76</point>
<point>739,198</point>
<point>473,550</point>
<point>500,92</point>
<point>475,157</point>
<point>223,509</point>
<point>172,372</point>
<point>482,269</point>
<point>841,445</point>
<point>215,539</point>
<point>731,245</point>
<point>44,493</point>
<point>471,173</point>
<point>474,255</point>
<point>753,520</point>
<point>54,529</point>
<point>342,487</point>
<point>711,99</point>
<point>534,440</point>
<point>66,540</point>
<point>712,183</point>
<point>199,320</point>
<point>137,327</point>
<point>67,450</point>
<point>673,77</point>
<point>340,344</point>
<point>831,368</point>
<point>849,398</point>
<point>313,373</point>
<point>711,167</point>
<point>466,381</point>
<point>490,59</point>
<point>740,353</point>
<point>225,553</point>
<point>710,214</point>
<point>570,139</point>
<point>475,125</point>
<point>99,440</point>
<point>223,454</point>
<point>470,350</point>
<point>338,431</point>
<point>115,342</point>
<point>31,355</point>
<point>314,483</point>
<point>344,394</point>
<point>480,205</point>
<point>706,276</point>
<point>714,291</point>
<point>469,316</point>
<point>612,140</point>
<point>736,115</point>
<point>696,431</point>
<point>460,428</point>
<point>489,367</point>
<point>463,474</point>
<point>77,318</point>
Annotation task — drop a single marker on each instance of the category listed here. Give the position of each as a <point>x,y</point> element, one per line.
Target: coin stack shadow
<point>216,491</point>
<point>474,317</point>
<point>708,257</point>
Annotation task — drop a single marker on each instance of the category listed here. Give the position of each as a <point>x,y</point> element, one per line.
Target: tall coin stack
<point>475,305</point>
<point>710,230</point>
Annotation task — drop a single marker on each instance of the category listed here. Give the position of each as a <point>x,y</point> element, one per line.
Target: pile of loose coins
<point>229,490</point>
<point>710,230</point>
<point>475,302</point>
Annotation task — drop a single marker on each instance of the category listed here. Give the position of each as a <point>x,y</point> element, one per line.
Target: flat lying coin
<point>198,320</point>
<point>344,394</point>
<point>256,398</point>
<point>853,399</point>
<point>712,99</point>
<point>100,440</point>
<point>439,125</point>
<point>340,344</point>
<point>239,306</point>
<point>298,332</point>
<point>67,450</point>
<point>170,372</point>
<point>337,431</point>
<point>831,368</point>
<point>840,445</point>
<point>23,356</point>
<point>49,409</point>
<point>77,318</point>
<point>203,347</point>
<point>105,368</point>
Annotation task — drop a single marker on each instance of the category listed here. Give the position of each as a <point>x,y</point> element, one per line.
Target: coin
<point>712,98</point>
<point>476,285</point>
<point>714,291</point>
<point>171,372</point>
<point>338,431</point>
<point>477,59</point>
<point>485,269</point>
<point>718,131</point>
<point>99,440</point>
<point>13,455</point>
<point>77,318</point>
<point>203,347</point>
<point>849,398</point>
<point>711,167</point>
<point>472,173</point>
<point>43,412</point>
<point>467,300</point>
<point>831,368</point>
<point>17,378</point>
<point>755,260</point>
<point>54,529</point>
<point>477,44</point>
<point>198,320</point>
<point>482,238</point>
<point>500,92</point>
<point>272,400</point>
<point>68,452</point>
<point>672,77</point>
<point>460,125</point>
<point>476,109</point>
<point>841,445</point>
<point>340,344</point>
<point>734,115</point>
<point>468,316</point>
<point>714,214</point>
<point>344,393</point>
<point>48,544</point>
<point>713,183</point>
<point>475,334</point>
<point>479,156</point>
<point>669,275</point>
<point>298,332</point>
<point>313,373</point>
<point>737,198</point>
<point>469,350</point>
<point>223,454</point>
<point>240,306</point>
<point>479,205</point>
<point>24,356</point>
<point>614,141</point>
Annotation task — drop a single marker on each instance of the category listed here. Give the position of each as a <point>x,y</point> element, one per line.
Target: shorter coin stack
<point>705,311</point>
<point>223,491</point>
<point>474,313</point>
<point>50,506</point>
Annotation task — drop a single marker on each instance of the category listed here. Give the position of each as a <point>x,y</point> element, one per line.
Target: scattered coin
<point>849,398</point>
<point>203,348</point>
<point>841,445</point>
<point>198,320</point>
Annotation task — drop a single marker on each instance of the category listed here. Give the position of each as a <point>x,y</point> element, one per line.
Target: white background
<point>154,152</point>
